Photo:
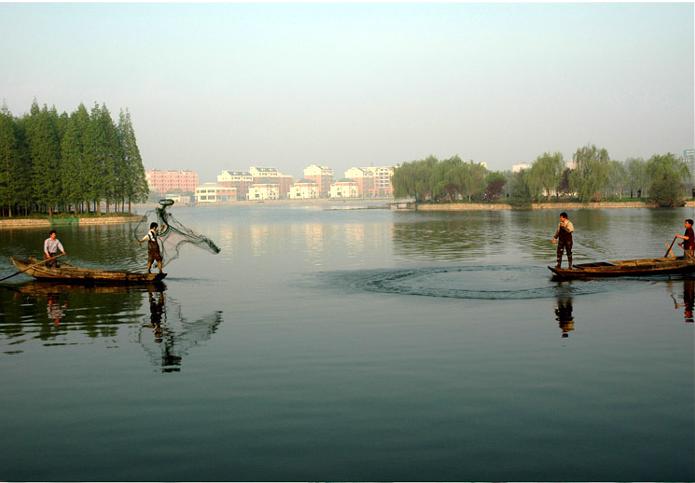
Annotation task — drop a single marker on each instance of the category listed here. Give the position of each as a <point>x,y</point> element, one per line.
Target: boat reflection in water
<point>55,314</point>
<point>172,335</point>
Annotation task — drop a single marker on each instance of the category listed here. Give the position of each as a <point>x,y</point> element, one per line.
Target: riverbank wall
<point>601,205</point>
<point>12,223</point>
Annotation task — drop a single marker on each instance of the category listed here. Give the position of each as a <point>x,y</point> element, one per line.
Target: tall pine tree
<point>44,148</point>
<point>134,182</point>
<point>73,169</point>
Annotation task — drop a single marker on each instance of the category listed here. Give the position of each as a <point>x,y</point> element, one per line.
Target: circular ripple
<point>471,282</point>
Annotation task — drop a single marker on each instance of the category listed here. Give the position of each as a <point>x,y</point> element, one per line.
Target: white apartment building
<point>344,188</point>
<point>214,193</point>
<point>264,191</point>
<point>304,189</point>
<point>233,176</point>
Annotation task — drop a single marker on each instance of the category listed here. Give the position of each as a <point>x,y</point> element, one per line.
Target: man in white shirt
<point>51,246</point>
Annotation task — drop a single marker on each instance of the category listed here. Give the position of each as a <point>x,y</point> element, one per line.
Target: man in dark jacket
<point>563,238</point>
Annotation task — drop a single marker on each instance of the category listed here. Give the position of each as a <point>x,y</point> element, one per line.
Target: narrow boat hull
<point>67,273</point>
<point>626,268</point>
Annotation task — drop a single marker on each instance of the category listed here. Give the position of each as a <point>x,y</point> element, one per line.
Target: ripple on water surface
<point>496,282</point>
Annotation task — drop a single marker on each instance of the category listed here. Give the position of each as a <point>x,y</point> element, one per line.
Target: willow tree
<point>545,174</point>
<point>668,175</point>
<point>637,178</point>
<point>591,175</point>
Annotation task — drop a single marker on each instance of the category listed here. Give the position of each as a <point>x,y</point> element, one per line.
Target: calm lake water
<point>352,345</point>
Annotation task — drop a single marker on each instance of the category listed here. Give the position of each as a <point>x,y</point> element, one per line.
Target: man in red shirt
<point>688,239</point>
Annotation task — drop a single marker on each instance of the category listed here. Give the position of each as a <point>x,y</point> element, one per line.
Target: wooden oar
<point>32,266</point>
<point>670,246</point>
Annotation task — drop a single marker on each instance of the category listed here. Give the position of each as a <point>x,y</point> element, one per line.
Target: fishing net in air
<point>174,235</point>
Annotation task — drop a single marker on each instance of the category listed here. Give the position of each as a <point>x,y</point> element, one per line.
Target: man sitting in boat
<point>563,238</point>
<point>688,238</point>
<point>153,252</point>
<point>50,248</point>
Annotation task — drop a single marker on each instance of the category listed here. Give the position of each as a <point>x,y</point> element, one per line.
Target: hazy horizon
<point>227,86</point>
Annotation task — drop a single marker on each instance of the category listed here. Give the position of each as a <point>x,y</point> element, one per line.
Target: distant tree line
<point>69,163</point>
<point>450,179</point>
<point>663,178</point>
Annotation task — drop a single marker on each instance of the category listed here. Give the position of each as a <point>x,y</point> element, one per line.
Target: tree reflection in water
<point>172,335</point>
<point>55,314</point>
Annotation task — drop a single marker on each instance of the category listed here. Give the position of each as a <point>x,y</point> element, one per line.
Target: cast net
<point>173,235</point>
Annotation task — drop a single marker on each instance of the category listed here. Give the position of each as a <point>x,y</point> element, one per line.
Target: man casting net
<point>172,235</point>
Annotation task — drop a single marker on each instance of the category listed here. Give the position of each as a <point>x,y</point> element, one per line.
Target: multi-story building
<point>366,188</point>
<point>304,189</point>
<point>322,176</point>
<point>214,193</point>
<point>344,188</point>
<point>272,176</point>
<point>375,181</point>
<point>241,180</point>
<point>264,191</point>
<point>382,181</point>
<point>167,181</point>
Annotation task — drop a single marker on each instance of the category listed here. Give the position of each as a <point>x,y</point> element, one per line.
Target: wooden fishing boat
<point>623,268</point>
<point>72,274</point>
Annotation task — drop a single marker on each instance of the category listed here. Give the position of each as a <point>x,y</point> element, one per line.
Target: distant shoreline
<point>12,223</point>
<point>599,205</point>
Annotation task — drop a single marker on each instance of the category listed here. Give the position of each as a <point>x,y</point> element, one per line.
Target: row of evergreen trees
<point>664,178</point>
<point>78,162</point>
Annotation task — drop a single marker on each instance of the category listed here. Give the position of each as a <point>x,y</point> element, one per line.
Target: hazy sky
<point>226,86</point>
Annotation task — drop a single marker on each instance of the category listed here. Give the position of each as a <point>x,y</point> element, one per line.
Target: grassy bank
<point>37,221</point>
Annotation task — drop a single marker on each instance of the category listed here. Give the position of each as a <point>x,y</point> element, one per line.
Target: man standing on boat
<point>563,238</point>
<point>688,238</point>
<point>153,252</point>
<point>50,248</point>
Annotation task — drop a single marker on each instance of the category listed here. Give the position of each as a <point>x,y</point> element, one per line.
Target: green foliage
<point>545,175</point>
<point>637,177</point>
<point>10,162</point>
<point>520,193</point>
<point>74,172</point>
<point>591,176</point>
<point>44,148</point>
<point>617,180</point>
<point>667,177</point>
<point>51,161</point>
<point>495,183</point>
<point>433,180</point>
<point>134,183</point>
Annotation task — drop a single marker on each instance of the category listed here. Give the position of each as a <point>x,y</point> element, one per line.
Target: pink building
<point>168,181</point>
